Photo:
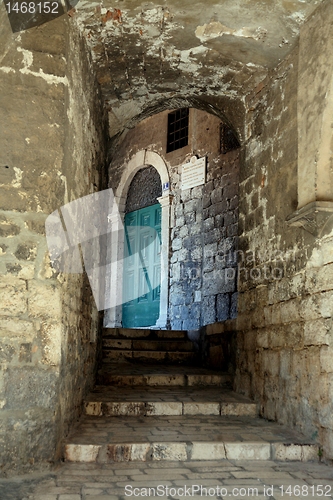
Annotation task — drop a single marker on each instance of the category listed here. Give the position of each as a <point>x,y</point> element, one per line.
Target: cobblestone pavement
<point>175,480</point>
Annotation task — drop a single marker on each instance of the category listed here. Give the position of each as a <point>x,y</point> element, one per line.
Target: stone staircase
<point>154,403</point>
<point>148,346</point>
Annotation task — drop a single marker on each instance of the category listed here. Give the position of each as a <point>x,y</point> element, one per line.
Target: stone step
<point>167,438</point>
<point>141,334</point>
<point>150,356</point>
<point>148,345</point>
<point>134,375</point>
<point>150,401</point>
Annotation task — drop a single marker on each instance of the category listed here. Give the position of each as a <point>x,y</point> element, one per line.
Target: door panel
<point>142,274</point>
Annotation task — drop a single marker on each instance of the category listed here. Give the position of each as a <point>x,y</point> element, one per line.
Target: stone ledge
<point>313,217</point>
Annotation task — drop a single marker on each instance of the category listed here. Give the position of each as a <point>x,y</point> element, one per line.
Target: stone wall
<point>204,219</point>
<point>283,339</point>
<point>50,149</point>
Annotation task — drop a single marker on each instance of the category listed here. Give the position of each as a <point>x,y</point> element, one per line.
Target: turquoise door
<point>142,267</point>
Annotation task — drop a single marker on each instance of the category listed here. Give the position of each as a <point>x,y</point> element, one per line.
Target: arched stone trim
<point>139,160</point>
<point>113,316</point>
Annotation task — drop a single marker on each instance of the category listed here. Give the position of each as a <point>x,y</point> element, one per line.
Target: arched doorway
<point>134,210</point>
<point>142,250</point>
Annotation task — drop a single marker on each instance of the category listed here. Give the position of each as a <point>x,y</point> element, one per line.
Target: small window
<point>177,129</point>
<point>228,140</point>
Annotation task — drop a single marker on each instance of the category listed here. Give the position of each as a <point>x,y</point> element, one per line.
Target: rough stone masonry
<point>72,91</point>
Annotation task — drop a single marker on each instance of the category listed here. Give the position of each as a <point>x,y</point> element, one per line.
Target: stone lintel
<point>312,217</point>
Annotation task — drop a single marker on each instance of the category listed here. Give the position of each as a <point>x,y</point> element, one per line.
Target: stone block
<point>164,408</point>
<point>285,365</point>
<point>190,218</point>
<point>248,451</point>
<point>325,304</point>
<point>44,300</point>
<point>26,251</point>
<point>263,339</point>
<point>191,206</point>
<point>234,305</point>
<point>293,336</point>
<point>140,452</point>
<point>16,328</point>
<point>216,195</point>
<point>223,306</point>
<point>319,279</point>
<point>271,363</point>
<point>230,191</point>
<point>317,332</point>
<point>201,408</point>
<point>123,409</point>
<point>93,409</point>
<point>218,208</point>
<point>326,359</point>
<point>208,310</point>
<point>208,451</point>
<point>81,452</point>
<point>12,296</point>
<point>51,335</point>
<point>290,311</point>
<point>195,228</point>
<point>214,235</point>
<point>309,307</point>
<point>177,244</point>
<point>26,387</point>
<point>180,221</point>
<point>239,409</point>
<point>206,201</point>
<point>8,227</point>
<point>169,451</point>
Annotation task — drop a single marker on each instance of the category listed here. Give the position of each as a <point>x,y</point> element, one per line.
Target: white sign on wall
<point>194,173</point>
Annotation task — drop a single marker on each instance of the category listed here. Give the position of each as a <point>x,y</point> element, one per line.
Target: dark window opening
<point>228,140</point>
<point>177,129</point>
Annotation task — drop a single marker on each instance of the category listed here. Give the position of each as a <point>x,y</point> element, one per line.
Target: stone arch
<point>227,109</point>
<point>138,161</point>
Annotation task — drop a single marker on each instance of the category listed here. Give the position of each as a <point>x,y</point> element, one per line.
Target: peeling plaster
<point>28,61</point>
<point>18,177</point>
<point>216,29</point>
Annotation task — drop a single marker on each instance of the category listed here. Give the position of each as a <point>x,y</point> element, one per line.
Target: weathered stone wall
<point>50,148</point>
<point>204,219</point>
<point>284,327</point>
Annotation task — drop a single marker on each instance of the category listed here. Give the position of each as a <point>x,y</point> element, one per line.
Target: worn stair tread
<point>128,374</point>
<point>113,401</point>
<point>170,357</point>
<point>168,394</point>
<point>144,352</point>
<point>170,345</point>
<point>128,368</point>
<point>142,334</point>
<point>199,438</point>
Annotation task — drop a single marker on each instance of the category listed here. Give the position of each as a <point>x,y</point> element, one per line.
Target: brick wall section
<point>46,319</point>
<point>204,233</point>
